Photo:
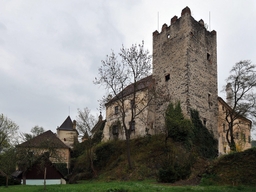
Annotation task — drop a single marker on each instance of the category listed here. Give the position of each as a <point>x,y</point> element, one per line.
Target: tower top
<point>186,12</point>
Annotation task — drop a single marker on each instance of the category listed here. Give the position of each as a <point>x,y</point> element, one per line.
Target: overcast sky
<point>50,50</point>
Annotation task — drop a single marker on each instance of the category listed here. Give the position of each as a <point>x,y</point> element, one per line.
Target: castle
<point>184,70</point>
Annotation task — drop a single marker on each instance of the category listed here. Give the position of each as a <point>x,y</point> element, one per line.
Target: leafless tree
<point>241,97</point>
<point>120,76</point>
<point>85,123</point>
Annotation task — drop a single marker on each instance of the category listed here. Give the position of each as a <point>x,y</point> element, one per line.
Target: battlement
<point>175,21</point>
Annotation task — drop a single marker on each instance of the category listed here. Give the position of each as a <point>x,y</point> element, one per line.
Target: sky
<point>50,50</point>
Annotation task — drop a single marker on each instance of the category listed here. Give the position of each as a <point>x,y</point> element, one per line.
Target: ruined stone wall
<point>185,69</point>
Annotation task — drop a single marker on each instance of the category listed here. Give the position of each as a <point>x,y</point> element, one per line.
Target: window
<point>167,77</point>
<point>236,135</point>
<point>208,56</point>
<point>224,127</point>
<point>116,109</point>
<point>115,130</point>
<point>132,125</point>
<point>223,108</point>
<point>209,100</point>
<point>204,122</point>
<point>249,139</point>
<point>168,36</point>
<point>225,149</point>
<point>243,137</point>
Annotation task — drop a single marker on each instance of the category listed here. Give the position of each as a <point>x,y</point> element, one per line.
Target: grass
<point>129,186</point>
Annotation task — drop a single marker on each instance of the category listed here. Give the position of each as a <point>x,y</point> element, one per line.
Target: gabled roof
<point>140,85</point>
<point>99,126</point>
<point>41,140</point>
<point>230,109</point>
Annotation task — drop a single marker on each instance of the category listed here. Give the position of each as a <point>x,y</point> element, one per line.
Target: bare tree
<point>8,132</point>
<point>85,121</point>
<point>116,74</point>
<point>240,97</point>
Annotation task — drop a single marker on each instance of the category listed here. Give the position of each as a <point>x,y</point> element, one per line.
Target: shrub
<point>178,128</point>
<point>203,140</point>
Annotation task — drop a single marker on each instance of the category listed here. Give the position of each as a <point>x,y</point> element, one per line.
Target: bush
<point>104,151</point>
<point>203,140</point>
<point>178,128</point>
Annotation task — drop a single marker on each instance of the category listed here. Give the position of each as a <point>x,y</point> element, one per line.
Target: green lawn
<point>129,186</point>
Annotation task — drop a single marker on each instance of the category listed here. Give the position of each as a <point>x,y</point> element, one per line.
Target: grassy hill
<point>233,169</point>
<point>149,155</point>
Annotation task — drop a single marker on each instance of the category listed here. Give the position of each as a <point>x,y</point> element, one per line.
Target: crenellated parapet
<point>176,23</point>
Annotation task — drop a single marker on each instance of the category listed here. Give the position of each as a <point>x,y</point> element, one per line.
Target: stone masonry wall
<point>185,69</point>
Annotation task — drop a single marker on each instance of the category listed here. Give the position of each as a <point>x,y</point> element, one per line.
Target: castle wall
<point>185,69</point>
<point>242,131</point>
<point>114,118</point>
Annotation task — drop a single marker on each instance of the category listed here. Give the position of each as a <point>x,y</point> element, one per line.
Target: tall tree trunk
<point>7,178</point>
<point>45,178</point>
<point>232,144</point>
<point>91,161</point>
<point>128,149</point>
<point>24,177</point>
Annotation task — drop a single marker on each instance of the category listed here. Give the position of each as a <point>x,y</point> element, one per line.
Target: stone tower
<point>185,69</point>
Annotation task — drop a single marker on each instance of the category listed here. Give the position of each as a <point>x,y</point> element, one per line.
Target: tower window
<point>208,56</point>
<point>204,122</point>
<point>209,100</point>
<point>167,77</point>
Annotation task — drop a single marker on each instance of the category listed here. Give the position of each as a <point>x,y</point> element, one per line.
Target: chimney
<point>74,124</point>
<point>229,94</point>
